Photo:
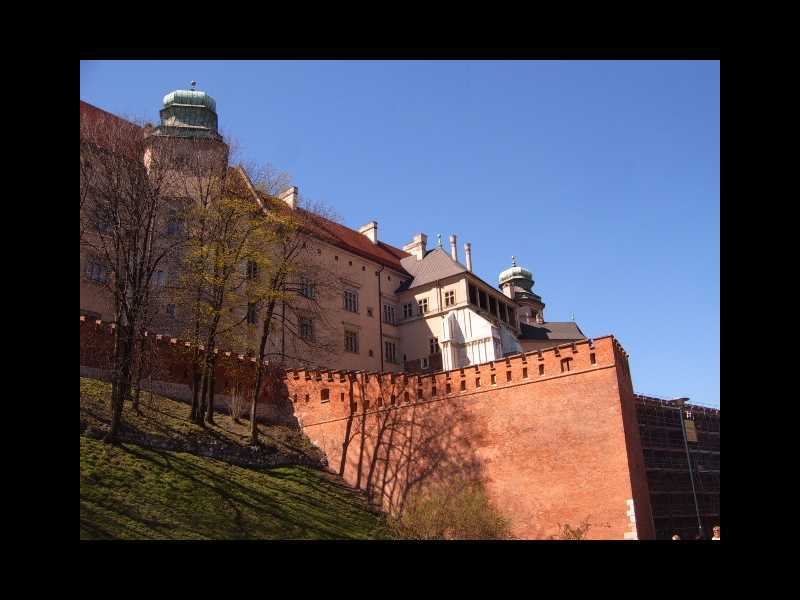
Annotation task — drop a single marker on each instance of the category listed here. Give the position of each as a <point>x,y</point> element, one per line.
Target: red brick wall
<point>552,449</point>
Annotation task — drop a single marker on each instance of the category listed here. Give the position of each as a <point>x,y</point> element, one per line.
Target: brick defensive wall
<point>552,434</point>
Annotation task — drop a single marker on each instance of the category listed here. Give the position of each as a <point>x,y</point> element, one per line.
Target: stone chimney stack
<point>370,230</point>
<point>418,247</point>
<point>453,248</point>
<point>468,254</point>
<point>291,196</point>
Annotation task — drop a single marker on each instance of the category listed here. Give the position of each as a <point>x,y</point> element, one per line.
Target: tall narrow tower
<point>517,284</point>
<point>188,131</point>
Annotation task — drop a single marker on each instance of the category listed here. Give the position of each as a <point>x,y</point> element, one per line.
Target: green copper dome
<point>190,97</point>
<point>518,276</point>
<point>189,113</point>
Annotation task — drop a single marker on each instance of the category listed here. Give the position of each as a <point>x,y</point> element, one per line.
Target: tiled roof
<point>93,115</point>
<point>351,240</point>
<point>566,330</point>
<point>436,264</point>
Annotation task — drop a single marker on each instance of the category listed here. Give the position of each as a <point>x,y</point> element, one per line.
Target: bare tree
<point>124,196</point>
<point>290,296</point>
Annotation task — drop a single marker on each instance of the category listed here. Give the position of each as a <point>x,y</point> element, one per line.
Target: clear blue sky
<point>602,177</point>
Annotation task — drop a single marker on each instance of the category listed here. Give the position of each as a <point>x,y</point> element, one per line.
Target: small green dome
<point>518,276</point>
<point>190,98</point>
<point>190,114</point>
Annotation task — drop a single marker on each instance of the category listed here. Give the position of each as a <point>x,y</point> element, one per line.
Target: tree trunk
<point>203,396</point>
<point>195,387</point>
<point>212,358</point>
<point>260,372</point>
<point>122,379</point>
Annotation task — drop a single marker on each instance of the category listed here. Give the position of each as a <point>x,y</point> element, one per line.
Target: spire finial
<point>439,237</point>
<point>513,261</point>
<point>194,85</point>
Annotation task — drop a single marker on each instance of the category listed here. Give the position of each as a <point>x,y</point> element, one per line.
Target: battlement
<point>340,393</point>
<point>345,392</point>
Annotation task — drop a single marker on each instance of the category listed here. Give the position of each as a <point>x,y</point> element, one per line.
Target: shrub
<point>452,512</point>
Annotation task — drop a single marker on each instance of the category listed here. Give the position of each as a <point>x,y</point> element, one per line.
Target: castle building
<point>436,374</point>
<point>411,309</point>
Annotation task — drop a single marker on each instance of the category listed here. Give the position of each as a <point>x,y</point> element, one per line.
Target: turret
<point>517,284</point>
<point>189,129</point>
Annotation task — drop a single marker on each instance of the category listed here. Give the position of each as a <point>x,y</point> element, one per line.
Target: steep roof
<point>346,238</point>
<point>90,114</point>
<point>436,264</point>
<point>553,330</point>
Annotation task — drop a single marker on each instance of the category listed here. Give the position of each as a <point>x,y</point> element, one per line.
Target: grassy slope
<point>163,417</point>
<point>131,492</point>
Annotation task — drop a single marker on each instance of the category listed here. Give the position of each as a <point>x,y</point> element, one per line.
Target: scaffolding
<point>680,495</point>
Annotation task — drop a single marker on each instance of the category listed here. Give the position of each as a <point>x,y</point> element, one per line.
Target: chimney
<point>453,248</point>
<point>290,196</point>
<point>370,230</point>
<point>418,246</point>
<point>468,253</point>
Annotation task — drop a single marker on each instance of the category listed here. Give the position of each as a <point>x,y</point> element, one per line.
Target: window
<point>171,310</point>
<point>511,317</point>
<point>102,219</point>
<point>494,379</point>
<point>96,270</point>
<point>592,358</point>
<point>388,314</point>
<point>434,345</point>
<point>307,288</point>
<point>482,300</point>
<point>565,364</point>
<point>369,311</point>
<point>390,352</point>
<point>351,341</point>
<point>252,269</point>
<point>351,300</point>
<point>252,313</point>
<point>541,369</point>
<point>503,314</point>
<point>508,375</point>
<point>173,223</point>
<point>325,395</point>
<point>473,294</point>
<point>492,305</point>
<point>159,279</point>
<point>306,328</point>
<point>408,311</point>
<point>425,363</point>
<point>450,298</point>
<point>422,306</point>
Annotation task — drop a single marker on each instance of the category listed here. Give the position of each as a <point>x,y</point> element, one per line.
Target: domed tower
<point>517,284</point>
<point>189,129</point>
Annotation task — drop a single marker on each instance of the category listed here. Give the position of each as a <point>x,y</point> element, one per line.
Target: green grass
<point>165,418</point>
<point>133,492</point>
<point>130,492</point>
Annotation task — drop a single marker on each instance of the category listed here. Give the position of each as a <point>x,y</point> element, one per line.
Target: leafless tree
<point>293,290</point>
<point>125,191</point>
